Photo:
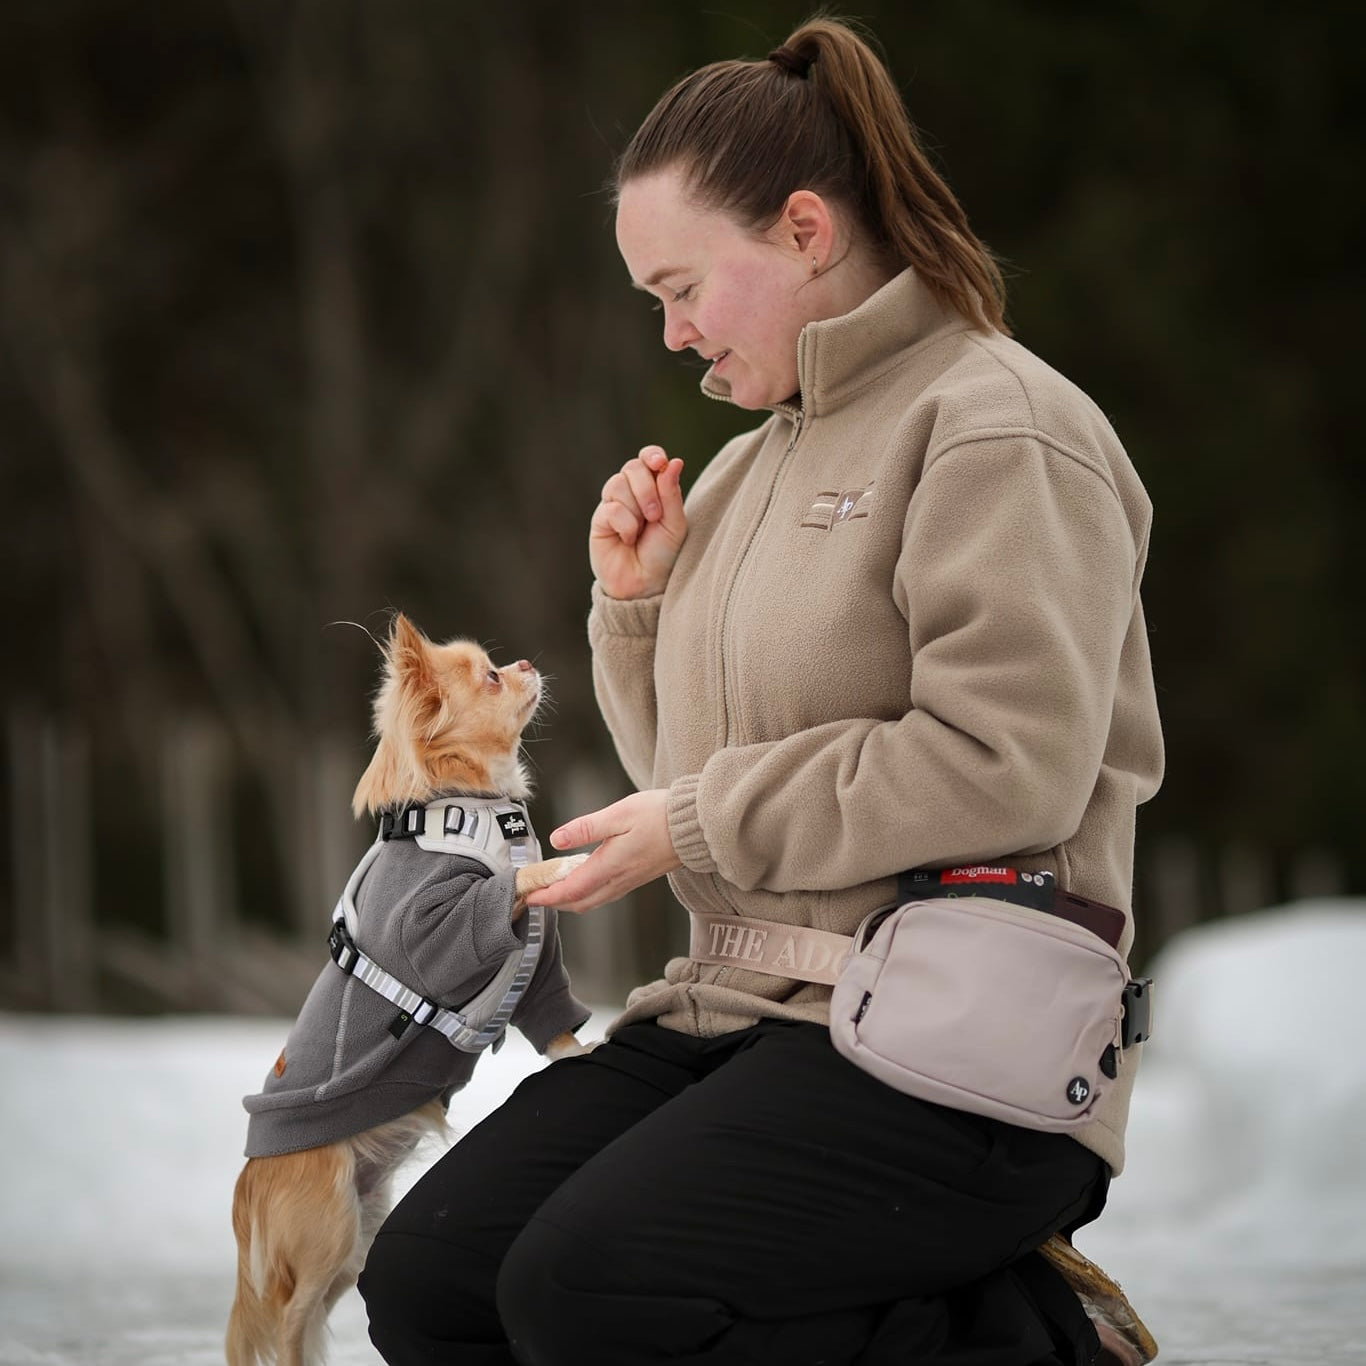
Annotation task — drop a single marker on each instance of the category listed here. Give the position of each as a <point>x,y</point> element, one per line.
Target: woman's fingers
<point>638,526</point>
<point>640,480</point>
<point>669,486</point>
<point>635,485</point>
<point>635,849</point>
<point>615,519</point>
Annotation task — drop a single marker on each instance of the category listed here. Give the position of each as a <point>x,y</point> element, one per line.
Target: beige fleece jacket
<point>904,630</point>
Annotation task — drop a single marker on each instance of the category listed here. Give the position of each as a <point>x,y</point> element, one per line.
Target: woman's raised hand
<point>639,526</point>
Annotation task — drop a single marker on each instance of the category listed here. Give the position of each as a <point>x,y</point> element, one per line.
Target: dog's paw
<point>535,876</point>
<point>566,1046</point>
<point>565,866</point>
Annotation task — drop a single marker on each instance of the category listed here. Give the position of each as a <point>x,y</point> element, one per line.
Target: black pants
<point>743,1200</point>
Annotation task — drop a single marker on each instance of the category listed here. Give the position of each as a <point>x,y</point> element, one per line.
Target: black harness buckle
<point>405,823</point>
<point>342,947</point>
<point>1137,1024</point>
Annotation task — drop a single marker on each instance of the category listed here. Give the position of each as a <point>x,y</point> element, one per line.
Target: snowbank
<point>1239,1226</point>
<point>1249,1120</point>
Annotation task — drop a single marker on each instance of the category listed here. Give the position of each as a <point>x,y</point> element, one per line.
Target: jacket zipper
<point>796,416</point>
<point>728,700</point>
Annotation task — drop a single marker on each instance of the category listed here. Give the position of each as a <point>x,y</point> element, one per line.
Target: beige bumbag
<point>986,1006</point>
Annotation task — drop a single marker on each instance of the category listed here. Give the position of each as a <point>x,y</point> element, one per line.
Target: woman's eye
<point>680,296</point>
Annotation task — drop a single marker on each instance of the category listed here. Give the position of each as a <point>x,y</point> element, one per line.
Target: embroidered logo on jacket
<point>832,507</point>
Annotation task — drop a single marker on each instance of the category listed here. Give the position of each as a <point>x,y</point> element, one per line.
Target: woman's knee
<point>419,1292</point>
<point>531,1293</point>
<point>560,1302</point>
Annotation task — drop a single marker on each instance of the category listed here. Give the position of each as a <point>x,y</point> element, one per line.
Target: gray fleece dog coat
<point>441,923</point>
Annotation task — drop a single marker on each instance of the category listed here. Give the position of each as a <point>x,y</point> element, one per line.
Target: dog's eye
<point>495,678</point>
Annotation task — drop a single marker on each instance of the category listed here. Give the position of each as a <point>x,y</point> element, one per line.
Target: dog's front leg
<point>566,1046</point>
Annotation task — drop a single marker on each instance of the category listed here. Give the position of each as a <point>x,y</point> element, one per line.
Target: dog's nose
<point>525,665</point>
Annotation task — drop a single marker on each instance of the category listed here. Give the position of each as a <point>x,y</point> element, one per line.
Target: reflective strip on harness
<point>763,946</point>
<point>482,1020</point>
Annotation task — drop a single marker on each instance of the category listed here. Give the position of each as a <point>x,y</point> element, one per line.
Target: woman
<point>895,625</point>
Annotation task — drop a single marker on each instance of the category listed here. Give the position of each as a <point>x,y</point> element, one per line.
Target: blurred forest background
<point>312,310</point>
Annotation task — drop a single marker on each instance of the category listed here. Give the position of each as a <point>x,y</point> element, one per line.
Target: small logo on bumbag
<point>512,824</point>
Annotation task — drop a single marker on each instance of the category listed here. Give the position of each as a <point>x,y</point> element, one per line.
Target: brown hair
<point>820,113</point>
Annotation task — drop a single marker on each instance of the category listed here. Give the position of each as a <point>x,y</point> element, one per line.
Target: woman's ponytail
<point>916,215</point>
<point>821,113</point>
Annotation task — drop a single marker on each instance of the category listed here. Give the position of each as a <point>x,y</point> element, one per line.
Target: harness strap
<point>493,831</point>
<point>482,1021</point>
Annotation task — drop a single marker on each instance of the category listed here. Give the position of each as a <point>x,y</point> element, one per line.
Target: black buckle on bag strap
<point>1137,1023</point>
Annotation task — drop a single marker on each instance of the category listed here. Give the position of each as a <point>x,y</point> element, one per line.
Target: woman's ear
<point>807,227</point>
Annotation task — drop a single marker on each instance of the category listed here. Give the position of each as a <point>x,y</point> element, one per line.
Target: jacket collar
<point>837,357</point>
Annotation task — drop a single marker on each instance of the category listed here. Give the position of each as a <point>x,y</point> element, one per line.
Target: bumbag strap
<point>810,955</point>
<point>795,951</point>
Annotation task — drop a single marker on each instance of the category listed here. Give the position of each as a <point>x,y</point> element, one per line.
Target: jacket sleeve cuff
<point>685,827</point>
<point>623,617</point>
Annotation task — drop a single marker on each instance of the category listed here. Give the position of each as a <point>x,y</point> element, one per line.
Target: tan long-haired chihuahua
<point>361,1079</point>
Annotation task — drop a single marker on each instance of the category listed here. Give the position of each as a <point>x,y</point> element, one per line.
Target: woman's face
<point>732,295</point>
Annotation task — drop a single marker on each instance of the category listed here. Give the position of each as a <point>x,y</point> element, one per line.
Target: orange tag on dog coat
<point>280,1064</point>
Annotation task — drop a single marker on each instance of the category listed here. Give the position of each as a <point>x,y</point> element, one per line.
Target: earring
<point>813,266</point>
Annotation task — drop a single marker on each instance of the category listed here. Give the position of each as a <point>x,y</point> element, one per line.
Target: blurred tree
<point>310,310</point>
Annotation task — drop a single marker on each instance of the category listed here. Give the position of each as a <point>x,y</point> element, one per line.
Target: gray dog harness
<point>493,831</point>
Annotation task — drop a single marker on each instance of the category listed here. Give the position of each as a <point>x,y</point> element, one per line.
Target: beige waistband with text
<point>763,946</point>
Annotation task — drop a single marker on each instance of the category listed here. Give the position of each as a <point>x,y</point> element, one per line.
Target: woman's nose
<point>679,333</point>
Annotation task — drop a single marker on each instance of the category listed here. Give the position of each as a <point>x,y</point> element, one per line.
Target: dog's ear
<point>410,663</point>
<point>408,652</point>
<point>408,701</point>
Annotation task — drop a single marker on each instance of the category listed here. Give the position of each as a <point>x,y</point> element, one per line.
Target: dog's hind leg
<point>328,1266</point>
<point>371,1210</point>
<point>304,1227</point>
<point>327,1207</point>
<point>251,1335</point>
<point>377,1154</point>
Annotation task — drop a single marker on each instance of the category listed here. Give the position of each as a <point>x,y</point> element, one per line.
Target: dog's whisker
<point>358,627</point>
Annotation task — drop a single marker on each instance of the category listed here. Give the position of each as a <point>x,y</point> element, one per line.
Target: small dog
<point>359,1084</point>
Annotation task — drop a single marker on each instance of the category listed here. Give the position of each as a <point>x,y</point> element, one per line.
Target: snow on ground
<point>1238,1228</point>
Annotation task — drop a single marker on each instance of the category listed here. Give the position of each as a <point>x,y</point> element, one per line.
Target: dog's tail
<point>297,1222</point>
